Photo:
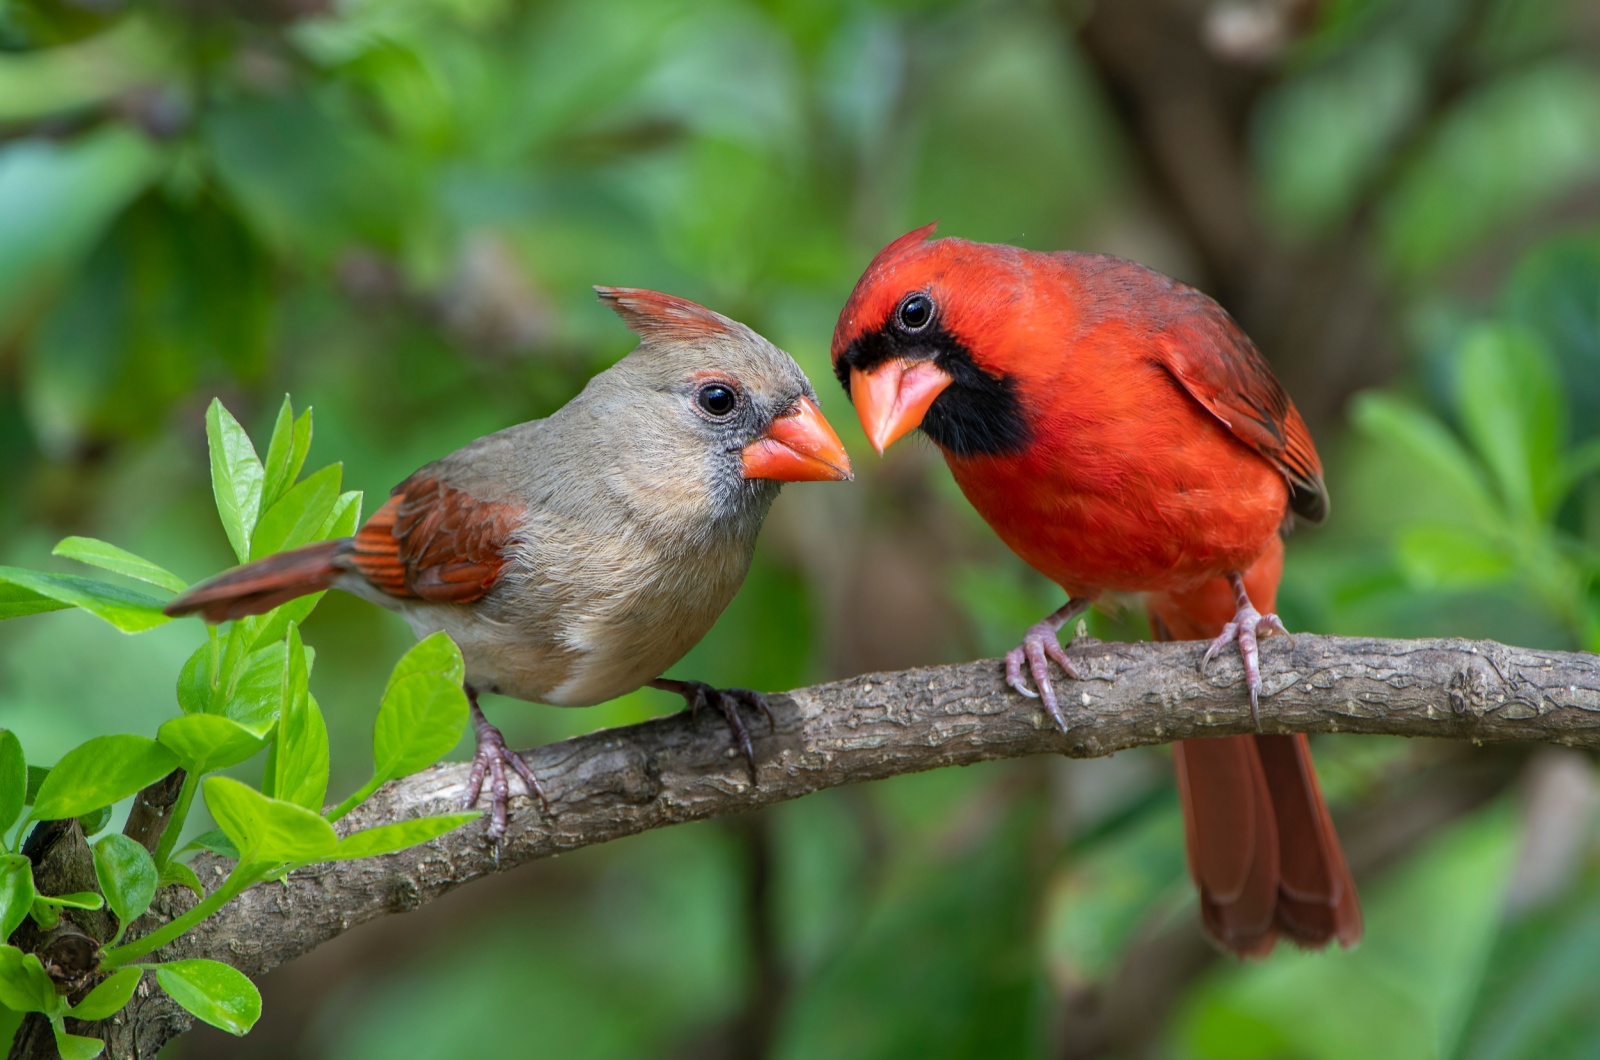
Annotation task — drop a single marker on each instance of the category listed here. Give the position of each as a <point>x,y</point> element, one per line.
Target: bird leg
<point>491,758</point>
<point>1248,626</point>
<point>1039,645</point>
<point>697,694</point>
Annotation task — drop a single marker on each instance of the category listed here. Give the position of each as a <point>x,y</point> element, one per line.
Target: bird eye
<point>915,312</point>
<point>716,399</point>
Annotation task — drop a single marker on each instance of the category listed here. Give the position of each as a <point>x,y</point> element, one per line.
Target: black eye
<point>716,399</point>
<point>915,312</point>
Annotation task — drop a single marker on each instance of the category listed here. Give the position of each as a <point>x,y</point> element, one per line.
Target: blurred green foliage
<point>395,208</point>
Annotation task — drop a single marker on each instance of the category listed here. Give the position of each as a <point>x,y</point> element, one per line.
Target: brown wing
<point>1215,361</point>
<point>433,542</point>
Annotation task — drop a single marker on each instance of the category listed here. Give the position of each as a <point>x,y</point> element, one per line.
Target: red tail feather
<point>1262,849</point>
<point>260,586</point>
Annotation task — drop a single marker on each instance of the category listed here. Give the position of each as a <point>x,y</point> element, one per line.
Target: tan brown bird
<point>576,557</point>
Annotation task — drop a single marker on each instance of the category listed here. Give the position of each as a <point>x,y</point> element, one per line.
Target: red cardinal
<point>1121,434</point>
<point>576,557</point>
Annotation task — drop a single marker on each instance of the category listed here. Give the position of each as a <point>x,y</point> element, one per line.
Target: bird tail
<point>1261,844</point>
<point>262,585</point>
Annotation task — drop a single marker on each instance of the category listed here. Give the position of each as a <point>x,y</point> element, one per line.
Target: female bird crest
<point>653,315</point>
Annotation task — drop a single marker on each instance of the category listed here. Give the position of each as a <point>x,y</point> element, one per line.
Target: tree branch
<point>618,782</point>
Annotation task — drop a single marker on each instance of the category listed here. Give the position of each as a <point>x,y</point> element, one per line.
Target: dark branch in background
<point>618,782</point>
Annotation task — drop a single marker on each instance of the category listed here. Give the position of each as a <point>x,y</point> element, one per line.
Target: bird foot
<point>1039,646</point>
<point>1248,626</point>
<point>490,761</point>
<point>698,694</point>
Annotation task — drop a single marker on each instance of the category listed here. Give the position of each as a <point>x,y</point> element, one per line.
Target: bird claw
<point>726,700</point>
<point>1038,649</point>
<point>1247,628</point>
<point>489,762</point>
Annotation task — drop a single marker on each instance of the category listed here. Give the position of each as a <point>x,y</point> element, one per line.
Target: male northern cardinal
<point>576,557</point>
<point>1121,433</point>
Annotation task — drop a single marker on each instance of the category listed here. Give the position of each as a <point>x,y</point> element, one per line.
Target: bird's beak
<point>799,447</point>
<point>892,398</point>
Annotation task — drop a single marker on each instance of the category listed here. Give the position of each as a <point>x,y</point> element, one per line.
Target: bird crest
<point>653,315</point>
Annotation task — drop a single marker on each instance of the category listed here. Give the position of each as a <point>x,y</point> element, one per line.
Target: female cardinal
<point>1121,434</point>
<point>575,558</point>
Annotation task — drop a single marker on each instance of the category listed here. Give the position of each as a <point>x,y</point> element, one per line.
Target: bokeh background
<point>394,209</point>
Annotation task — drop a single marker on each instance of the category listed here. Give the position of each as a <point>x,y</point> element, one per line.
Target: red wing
<point>433,542</point>
<point>1213,359</point>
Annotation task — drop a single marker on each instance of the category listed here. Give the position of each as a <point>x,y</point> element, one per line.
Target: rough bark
<point>618,782</point>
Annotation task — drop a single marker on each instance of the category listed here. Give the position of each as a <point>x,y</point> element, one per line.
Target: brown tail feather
<point>1262,849</point>
<point>260,586</point>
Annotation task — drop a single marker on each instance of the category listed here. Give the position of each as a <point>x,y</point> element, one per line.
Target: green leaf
<point>1513,412</point>
<point>271,627</point>
<point>197,681</point>
<point>256,699</point>
<point>46,914</point>
<point>387,838</point>
<point>181,875</point>
<point>286,453</point>
<point>76,900</point>
<point>13,781</point>
<point>300,763</point>
<point>109,557</point>
<point>297,516</point>
<point>36,779</point>
<point>421,718</point>
<point>434,654</point>
<point>213,992</point>
<point>216,841</point>
<point>127,876</point>
<point>128,609</point>
<point>1417,432</point>
<point>95,820</point>
<point>10,1021</point>
<point>108,996</point>
<point>207,742</point>
<point>344,518</point>
<point>1451,556</point>
<point>236,477</point>
<point>16,892</point>
<point>266,829</point>
<point>24,986</point>
<point>98,773</point>
<point>74,1046</point>
<point>15,602</point>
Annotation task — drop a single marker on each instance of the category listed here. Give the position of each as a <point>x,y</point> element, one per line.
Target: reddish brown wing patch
<point>433,542</point>
<point>1215,361</point>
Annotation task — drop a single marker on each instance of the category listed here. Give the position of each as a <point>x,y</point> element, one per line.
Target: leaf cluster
<point>245,692</point>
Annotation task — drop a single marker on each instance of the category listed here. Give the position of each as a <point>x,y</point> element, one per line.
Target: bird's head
<point>713,390</point>
<point>918,344</point>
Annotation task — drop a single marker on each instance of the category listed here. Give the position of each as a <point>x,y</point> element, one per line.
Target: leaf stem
<point>239,880</point>
<point>356,798</point>
<point>180,813</point>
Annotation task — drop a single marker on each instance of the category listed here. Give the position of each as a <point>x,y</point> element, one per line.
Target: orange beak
<point>892,398</point>
<point>798,447</point>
